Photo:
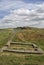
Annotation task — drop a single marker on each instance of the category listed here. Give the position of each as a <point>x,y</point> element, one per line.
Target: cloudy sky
<point>18,13</point>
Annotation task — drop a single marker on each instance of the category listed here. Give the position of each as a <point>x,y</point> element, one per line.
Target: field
<point>28,35</point>
<point>21,59</point>
<point>5,34</point>
<point>20,47</point>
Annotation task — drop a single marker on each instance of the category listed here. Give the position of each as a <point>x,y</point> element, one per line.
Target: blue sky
<point>33,1</point>
<point>7,5</point>
<point>10,7</point>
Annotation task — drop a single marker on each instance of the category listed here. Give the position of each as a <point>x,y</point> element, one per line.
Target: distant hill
<point>27,34</point>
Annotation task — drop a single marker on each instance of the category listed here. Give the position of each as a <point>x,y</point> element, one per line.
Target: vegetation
<point>21,59</point>
<point>22,35</point>
<point>30,35</point>
<point>4,36</point>
<point>22,47</point>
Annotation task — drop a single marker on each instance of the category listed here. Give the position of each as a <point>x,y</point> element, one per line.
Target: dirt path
<point>9,41</point>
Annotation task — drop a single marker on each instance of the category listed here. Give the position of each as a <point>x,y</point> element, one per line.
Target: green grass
<point>30,35</point>
<point>21,59</point>
<point>4,36</point>
<point>22,35</point>
<point>21,47</point>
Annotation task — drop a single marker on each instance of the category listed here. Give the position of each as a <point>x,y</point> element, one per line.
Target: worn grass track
<point>5,35</point>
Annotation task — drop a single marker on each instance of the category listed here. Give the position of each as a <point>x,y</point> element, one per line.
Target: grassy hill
<point>23,35</point>
<point>4,36</point>
<point>30,35</point>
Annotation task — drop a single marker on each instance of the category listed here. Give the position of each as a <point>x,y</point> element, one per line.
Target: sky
<point>19,13</point>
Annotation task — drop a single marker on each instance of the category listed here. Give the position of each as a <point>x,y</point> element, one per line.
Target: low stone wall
<point>20,43</point>
<point>36,50</point>
<point>23,51</point>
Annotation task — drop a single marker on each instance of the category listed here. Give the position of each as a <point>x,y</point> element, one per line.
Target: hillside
<point>5,34</point>
<point>28,35</point>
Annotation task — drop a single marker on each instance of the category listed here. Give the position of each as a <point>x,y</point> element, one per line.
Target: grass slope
<point>30,35</point>
<point>21,59</point>
<point>4,36</point>
<point>24,35</point>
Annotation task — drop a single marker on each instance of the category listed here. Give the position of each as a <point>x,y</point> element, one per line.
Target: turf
<point>32,35</point>
<point>21,47</point>
<point>5,34</point>
<point>23,35</point>
<point>21,59</point>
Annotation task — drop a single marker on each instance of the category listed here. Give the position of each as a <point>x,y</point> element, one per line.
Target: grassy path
<point>9,40</point>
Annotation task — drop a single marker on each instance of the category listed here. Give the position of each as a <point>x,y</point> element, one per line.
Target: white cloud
<point>21,11</point>
<point>25,17</point>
